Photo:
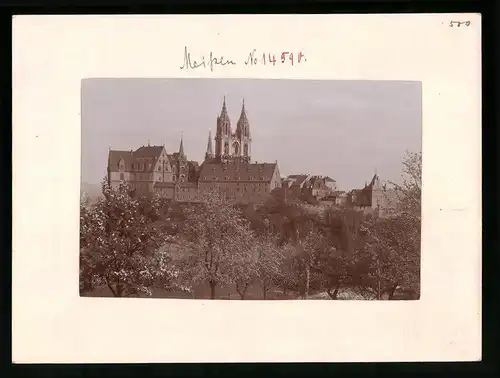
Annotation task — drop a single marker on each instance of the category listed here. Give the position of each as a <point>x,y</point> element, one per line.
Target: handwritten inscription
<point>210,62</point>
<point>264,58</point>
<point>253,58</point>
<point>459,23</point>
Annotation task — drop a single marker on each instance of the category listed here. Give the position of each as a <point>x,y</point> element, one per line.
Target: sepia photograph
<point>200,186</point>
<point>250,189</point>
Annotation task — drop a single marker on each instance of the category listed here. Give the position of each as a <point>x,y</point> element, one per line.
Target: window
<point>122,176</point>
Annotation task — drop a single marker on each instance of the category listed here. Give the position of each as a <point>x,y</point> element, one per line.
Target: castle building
<point>375,197</point>
<point>151,170</point>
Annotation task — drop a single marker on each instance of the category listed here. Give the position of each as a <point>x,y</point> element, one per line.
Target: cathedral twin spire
<point>227,143</point>
<point>241,138</point>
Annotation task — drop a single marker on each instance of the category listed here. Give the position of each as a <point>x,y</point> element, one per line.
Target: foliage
<point>270,262</point>
<point>394,243</point>
<point>294,247</point>
<point>218,243</point>
<point>119,244</point>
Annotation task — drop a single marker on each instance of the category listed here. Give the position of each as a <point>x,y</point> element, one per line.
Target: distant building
<point>309,185</point>
<point>330,183</point>
<point>375,197</point>
<point>151,170</point>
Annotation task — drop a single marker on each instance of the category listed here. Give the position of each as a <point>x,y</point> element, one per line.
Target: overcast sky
<point>343,129</point>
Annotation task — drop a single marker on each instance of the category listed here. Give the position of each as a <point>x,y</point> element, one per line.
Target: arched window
<point>236,148</point>
<point>226,148</point>
<point>245,150</point>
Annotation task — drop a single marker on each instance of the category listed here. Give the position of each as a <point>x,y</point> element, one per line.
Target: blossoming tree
<point>120,244</point>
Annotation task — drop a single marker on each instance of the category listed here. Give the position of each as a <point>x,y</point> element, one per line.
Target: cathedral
<point>151,170</point>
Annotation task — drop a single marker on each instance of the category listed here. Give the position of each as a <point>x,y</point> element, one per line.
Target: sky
<point>347,130</point>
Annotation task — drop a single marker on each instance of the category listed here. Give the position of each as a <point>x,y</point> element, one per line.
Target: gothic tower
<point>182,166</point>
<point>243,135</point>
<point>209,154</point>
<point>223,136</point>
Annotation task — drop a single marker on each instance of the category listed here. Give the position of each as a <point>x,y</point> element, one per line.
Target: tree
<point>119,244</point>
<point>270,262</point>
<point>394,243</point>
<point>218,243</point>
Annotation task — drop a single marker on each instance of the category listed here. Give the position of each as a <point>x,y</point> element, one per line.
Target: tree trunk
<point>113,290</point>
<point>242,292</point>
<point>335,293</point>
<point>264,291</point>
<point>212,289</point>
<point>306,289</point>
<point>379,283</point>
<point>392,291</point>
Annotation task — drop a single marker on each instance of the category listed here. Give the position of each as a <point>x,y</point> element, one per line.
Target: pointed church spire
<point>223,113</point>
<point>181,148</point>
<point>209,154</point>
<point>242,124</point>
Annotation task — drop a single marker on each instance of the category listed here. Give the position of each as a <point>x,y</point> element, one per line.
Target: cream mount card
<point>338,96</point>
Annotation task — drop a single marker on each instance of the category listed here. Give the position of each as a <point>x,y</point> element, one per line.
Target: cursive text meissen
<point>210,62</point>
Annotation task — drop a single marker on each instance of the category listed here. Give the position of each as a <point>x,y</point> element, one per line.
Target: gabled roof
<point>363,197</point>
<point>131,157</point>
<point>372,182</point>
<point>148,151</point>
<point>115,156</point>
<point>298,179</point>
<point>237,171</point>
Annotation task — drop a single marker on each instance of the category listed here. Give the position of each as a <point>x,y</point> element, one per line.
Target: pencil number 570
<point>459,23</point>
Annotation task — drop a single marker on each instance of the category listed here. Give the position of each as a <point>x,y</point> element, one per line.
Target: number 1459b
<point>272,59</point>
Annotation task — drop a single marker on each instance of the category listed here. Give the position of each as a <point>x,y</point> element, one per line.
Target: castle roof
<point>362,197</point>
<point>130,157</point>
<point>115,157</point>
<point>212,171</point>
<point>148,151</point>
<point>298,180</point>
